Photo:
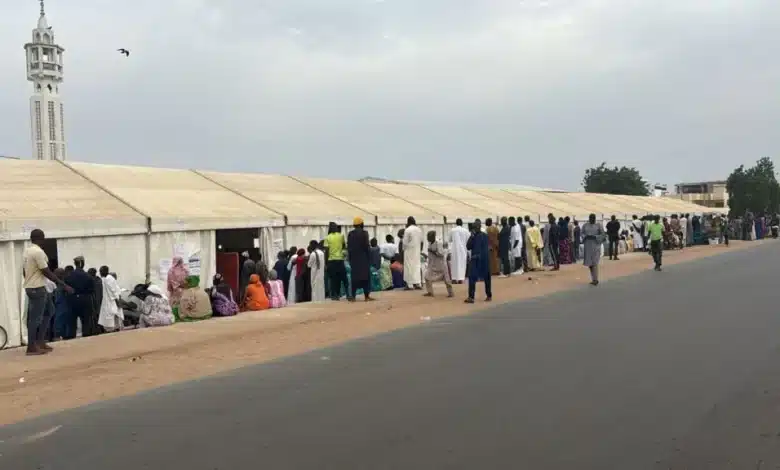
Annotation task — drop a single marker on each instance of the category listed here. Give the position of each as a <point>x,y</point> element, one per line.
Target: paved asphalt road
<point>678,370</point>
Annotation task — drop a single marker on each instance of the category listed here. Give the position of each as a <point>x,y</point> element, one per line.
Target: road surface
<point>679,369</point>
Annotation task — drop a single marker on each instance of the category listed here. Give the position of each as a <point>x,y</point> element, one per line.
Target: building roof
<point>50,196</point>
<point>430,200</point>
<point>178,200</point>
<point>299,202</point>
<point>387,208</point>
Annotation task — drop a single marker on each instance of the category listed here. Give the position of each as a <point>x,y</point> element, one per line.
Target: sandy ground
<point>91,369</point>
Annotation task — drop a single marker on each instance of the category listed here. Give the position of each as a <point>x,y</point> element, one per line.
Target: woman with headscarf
<point>195,303</point>
<point>223,302</point>
<point>564,241</point>
<point>316,266</point>
<point>276,288</point>
<point>155,309</point>
<point>255,298</point>
<point>282,273</point>
<point>302,279</point>
<point>177,281</point>
<point>292,269</point>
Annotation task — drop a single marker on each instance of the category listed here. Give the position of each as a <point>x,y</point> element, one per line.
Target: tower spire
<point>44,59</point>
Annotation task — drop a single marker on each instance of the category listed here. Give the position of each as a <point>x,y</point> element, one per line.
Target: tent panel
<point>164,246</point>
<point>434,202</point>
<point>178,199</point>
<point>302,204</point>
<point>370,199</point>
<point>50,196</point>
<point>489,205</point>
<point>125,255</point>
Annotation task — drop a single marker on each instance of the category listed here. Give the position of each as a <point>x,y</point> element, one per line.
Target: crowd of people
<point>355,265</point>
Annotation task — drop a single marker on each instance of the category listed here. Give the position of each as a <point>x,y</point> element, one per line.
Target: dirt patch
<point>92,369</point>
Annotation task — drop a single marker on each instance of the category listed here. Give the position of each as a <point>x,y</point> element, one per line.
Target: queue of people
<point>351,266</point>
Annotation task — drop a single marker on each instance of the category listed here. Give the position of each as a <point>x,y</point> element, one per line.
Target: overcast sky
<point>492,91</point>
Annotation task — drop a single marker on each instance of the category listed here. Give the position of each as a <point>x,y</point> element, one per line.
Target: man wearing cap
<point>80,301</point>
<point>359,249</point>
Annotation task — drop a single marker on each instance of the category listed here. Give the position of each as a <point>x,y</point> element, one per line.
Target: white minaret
<point>44,69</point>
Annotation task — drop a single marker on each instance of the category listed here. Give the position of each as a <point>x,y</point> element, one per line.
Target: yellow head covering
<point>357,221</point>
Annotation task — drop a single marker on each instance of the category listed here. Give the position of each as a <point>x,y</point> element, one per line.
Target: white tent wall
<point>163,244</point>
<point>124,254</point>
<point>11,298</point>
<point>392,229</point>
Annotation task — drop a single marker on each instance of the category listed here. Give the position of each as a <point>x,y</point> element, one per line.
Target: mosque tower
<point>44,70</point>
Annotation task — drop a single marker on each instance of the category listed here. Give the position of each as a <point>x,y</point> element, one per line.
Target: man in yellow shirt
<point>40,305</point>
<point>655,232</point>
<point>335,243</point>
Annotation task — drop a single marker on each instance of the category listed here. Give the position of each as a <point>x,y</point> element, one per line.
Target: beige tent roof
<point>178,200</point>
<point>50,196</point>
<point>600,204</point>
<point>431,200</point>
<point>559,207</point>
<point>387,208</point>
<point>300,203</point>
<point>522,207</point>
<point>489,206</point>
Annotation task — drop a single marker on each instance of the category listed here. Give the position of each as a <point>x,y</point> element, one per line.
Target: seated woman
<point>154,308</point>
<point>255,298</point>
<point>276,290</point>
<point>385,276</point>
<point>223,302</point>
<point>195,303</point>
<point>398,273</point>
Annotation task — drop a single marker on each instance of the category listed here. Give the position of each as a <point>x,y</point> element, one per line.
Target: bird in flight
<point>124,51</point>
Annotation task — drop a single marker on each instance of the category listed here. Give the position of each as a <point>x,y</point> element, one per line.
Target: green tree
<point>754,189</point>
<point>623,180</point>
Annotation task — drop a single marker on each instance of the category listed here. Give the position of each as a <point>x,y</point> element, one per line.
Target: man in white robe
<point>683,230</point>
<point>516,244</point>
<point>111,316</point>
<point>638,234</point>
<point>413,241</point>
<point>459,236</point>
<point>316,265</point>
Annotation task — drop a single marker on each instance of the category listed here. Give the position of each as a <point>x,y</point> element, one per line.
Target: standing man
<point>413,243</point>
<point>504,237</point>
<point>613,232</point>
<point>493,235</point>
<point>554,240</point>
<point>480,262</point>
<point>656,234</point>
<point>577,240</point>
<point>40,304</point>
<point>639,229</point>
<point>459,237</point>
<point>358,248</point>
<point>683,231</point>
<point>80,301</point>
<point>593,241</point>
<point>437,266</point>
<point>523,223</point>
<point>516,242</point>
<point>334,267</point>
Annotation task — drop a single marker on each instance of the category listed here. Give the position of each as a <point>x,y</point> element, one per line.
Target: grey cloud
<point>491,91</point>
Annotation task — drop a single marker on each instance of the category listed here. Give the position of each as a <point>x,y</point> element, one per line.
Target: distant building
<point>659,190</point>
<point>706,193</point>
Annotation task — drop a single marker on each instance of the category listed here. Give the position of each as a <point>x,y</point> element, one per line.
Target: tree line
<point>753,189</point>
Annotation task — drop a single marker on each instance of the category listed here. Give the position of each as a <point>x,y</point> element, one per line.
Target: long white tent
<point>135,219</point>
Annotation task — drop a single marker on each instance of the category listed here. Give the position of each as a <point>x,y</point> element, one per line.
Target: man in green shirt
<point>655,231</point>
<point>335,244</point>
